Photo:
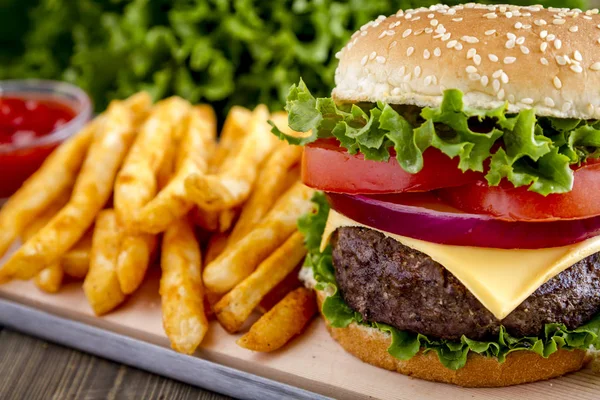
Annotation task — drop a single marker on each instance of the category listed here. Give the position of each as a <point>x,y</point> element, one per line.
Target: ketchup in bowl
<point>35,117</point>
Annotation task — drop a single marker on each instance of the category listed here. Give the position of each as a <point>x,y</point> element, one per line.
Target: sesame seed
<point>509,60</point>
<point>477,59</point>
<point>406,33</point>
<point>496,85</point>
<point>407,77</point>
<point>561,60</point>
<point>493,57</point>
<point>430,16</point>
<point>551,37</point>
<point>434,22</point>
<point>520,40</point>
<point>372,55</point>
<point>426,54</point>
<point>549,102</point>
<point>471,53</point>
<point>511,98</point>
<point>576,68</point>
<point>364,60</point>
<point>485,80</point>
<point>417,33</point>
<point>540,22</point>
<point>417,71</point>
<point>518,25</point>
<point>458,46</point>
<point>491,15</point>
<point>526,26</point>
<point>557,44</point>
<point>380,59</point>
<point>544,61</point>
<point>543,47</point>
<point>393,44</point>
<point>428,80</point>
<point>577,56</point>
<point>543,34</point>
<point>595,66</point>
<point>511,36</point>
<point>504,77</point>
<point>509,44</point>
<point>469,39</point>
<point>497,74</point>
<point>527,100</point>
<point>524,50</point>
<point>490,32</point>
<point>558,21</point>
<point>402,70</point>
<point>363,33</point>
<point>574,28</point>
<point>557,82</point>
<point>409,51</point>
<point>451,44</point>
<point>508,14</point>
<point>437,52</point>
<point>445,37</point>
<point>471,69</point>
<point>457,19</point>
<point>501,94</point>
<point>428,30</point>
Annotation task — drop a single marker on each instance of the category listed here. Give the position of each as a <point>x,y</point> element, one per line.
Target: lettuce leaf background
<point>536,153</point>
<point>226,52</point>
<point>404,345</point>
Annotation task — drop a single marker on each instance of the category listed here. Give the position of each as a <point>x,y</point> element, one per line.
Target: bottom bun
<point>370,345</point>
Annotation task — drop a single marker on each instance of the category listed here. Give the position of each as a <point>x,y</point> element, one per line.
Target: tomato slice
<point>519,204</point>
<point>327,166</point>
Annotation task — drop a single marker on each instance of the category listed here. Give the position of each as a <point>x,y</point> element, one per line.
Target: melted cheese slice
<point>499,278</point>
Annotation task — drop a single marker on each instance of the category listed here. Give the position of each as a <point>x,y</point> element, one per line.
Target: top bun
<point>532,57</point>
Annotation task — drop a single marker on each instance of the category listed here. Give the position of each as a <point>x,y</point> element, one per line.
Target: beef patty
<point>388,282</point>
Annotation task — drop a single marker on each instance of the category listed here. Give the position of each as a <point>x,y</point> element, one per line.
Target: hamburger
<point>456,234</point>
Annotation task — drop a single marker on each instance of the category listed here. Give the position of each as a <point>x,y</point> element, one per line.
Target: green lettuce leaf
<point>405,344</point>
<point>521,148</point>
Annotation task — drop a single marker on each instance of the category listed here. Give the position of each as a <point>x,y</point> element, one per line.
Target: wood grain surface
<point>35,369</point>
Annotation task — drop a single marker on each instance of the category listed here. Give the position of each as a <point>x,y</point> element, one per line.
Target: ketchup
<point>22,123</point>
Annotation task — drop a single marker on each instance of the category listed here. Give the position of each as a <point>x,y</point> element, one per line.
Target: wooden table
<point>34,369</point>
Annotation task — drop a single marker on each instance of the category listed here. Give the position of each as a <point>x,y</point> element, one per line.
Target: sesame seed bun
<point>370,345</point>
<point>528,56</point>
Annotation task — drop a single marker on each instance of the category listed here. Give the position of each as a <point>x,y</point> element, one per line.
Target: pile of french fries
<point>145,184</point>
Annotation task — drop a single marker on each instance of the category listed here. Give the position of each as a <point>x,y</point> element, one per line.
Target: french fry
<point>289,283</point>
<point>232,186</point>
<point>232,135</point>
<point>181,290</point>
<point>136,182</point>
<point>173,202</point>
<point>270,184</point>
<point>50,278</point>
<point>216,245</point>
<point>76,262</point>
<point>101,285</point>
<point>235,264</point>
<point>284,321</point>
<point>234,129</point>
<point>57,173</point>
<point>92,190</point>
<point>135,255</point>
<point>237,305</point>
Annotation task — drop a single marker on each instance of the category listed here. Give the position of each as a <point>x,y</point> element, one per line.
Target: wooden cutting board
<point>313,361</point>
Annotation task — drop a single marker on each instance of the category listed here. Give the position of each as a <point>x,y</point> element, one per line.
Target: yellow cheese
<point>499,278</point>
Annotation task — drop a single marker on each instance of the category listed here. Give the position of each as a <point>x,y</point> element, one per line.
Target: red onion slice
<point>426,218</point>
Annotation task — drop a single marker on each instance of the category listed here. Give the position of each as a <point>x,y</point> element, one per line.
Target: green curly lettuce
<point>405,344</point>
<point>523,149</point>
